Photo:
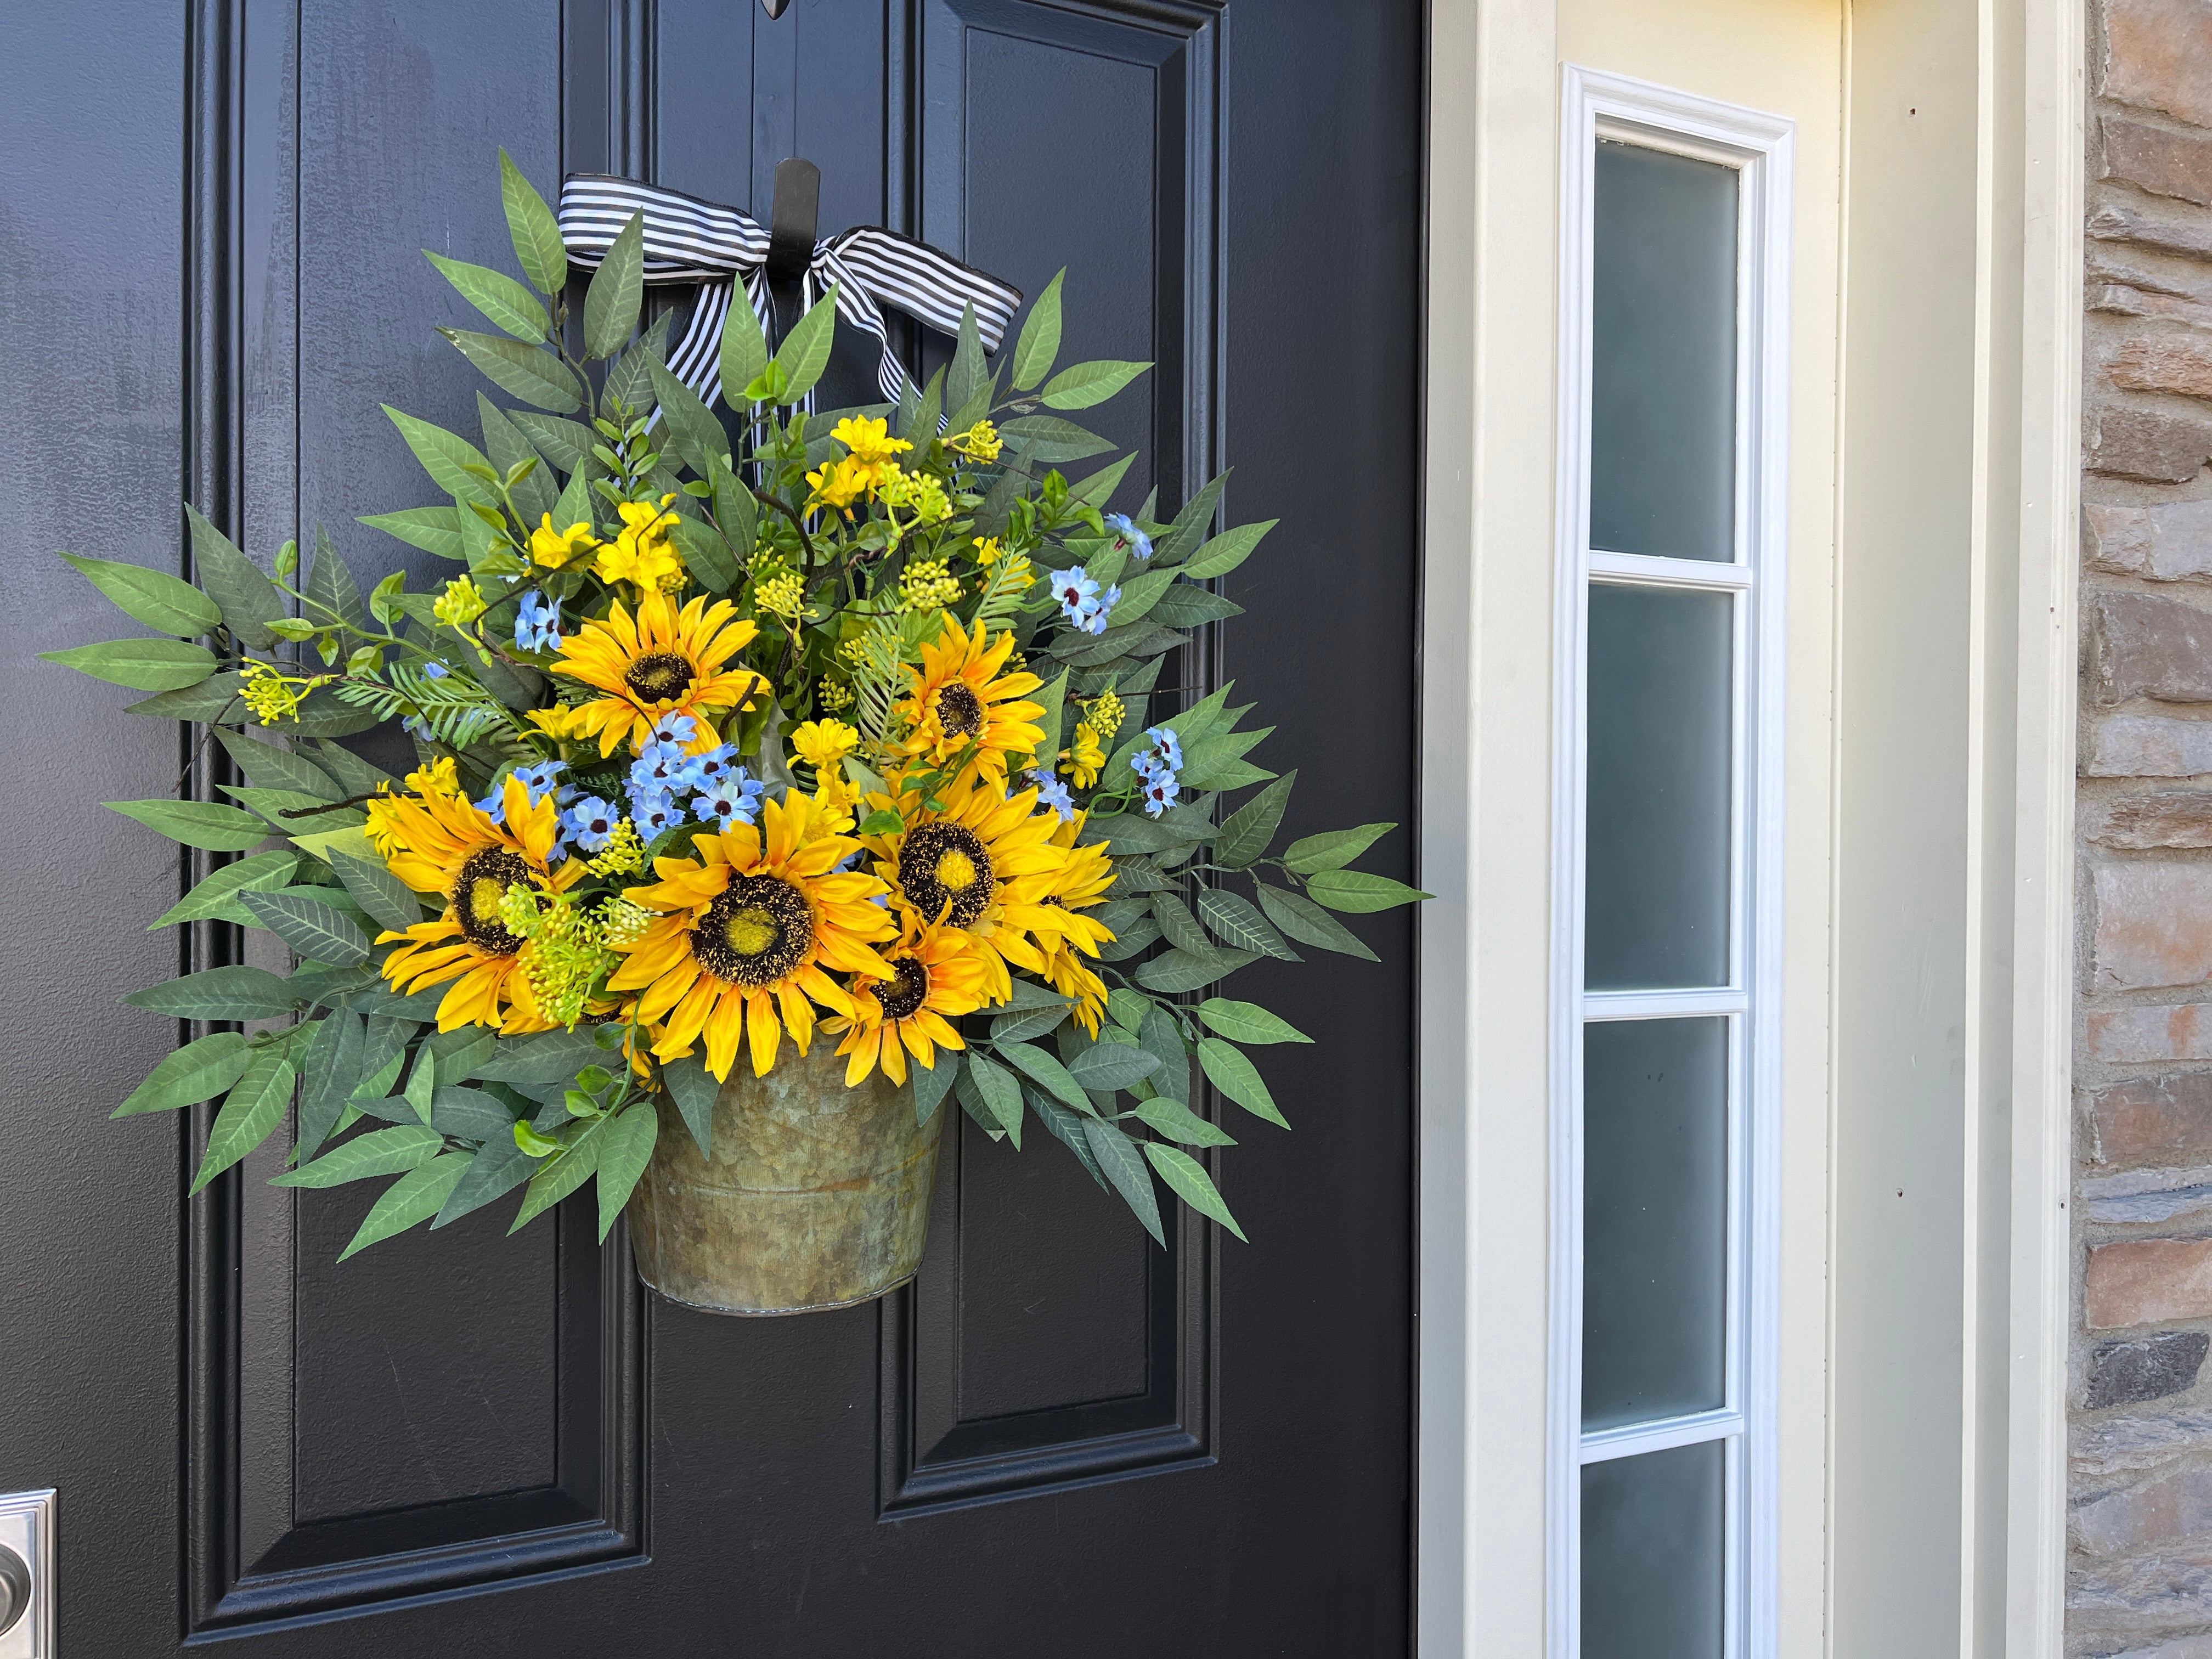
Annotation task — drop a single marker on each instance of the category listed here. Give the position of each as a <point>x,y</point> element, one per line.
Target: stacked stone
<point>2140,1567</point>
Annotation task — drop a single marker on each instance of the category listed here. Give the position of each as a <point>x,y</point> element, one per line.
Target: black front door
<point>1063,1440</point>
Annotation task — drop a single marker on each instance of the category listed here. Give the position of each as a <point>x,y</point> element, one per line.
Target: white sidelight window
<point>1666,1060</point>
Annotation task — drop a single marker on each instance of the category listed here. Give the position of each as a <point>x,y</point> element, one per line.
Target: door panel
<point>367,1448</point>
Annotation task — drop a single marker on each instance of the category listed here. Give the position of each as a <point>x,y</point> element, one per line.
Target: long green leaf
<point>416,1196</point>
<point>256,1106</point>
<point>1178,1122</point>
<point>1050,439</point>
<point>566,444</point>
<point>1040,337</point>
<point>215,898</point>
<point>806,350</point>
<point>445,456</point>
<point>530,372</point>
<point>1044,1069</point>
<point>237,992</point>
<point>270,766</point>
<point>208,824</point>
<point>1247,1021</point>
<point>1001,1094</point>
<point>499,1167</point>
<point>1107,1067</point>
<point>690,426</point>
<point>142,665</point>
<point>249,600</point>
<point>327,1077</point>
<point>561,1175</point>
<point>1333,850</point>
<point>384,897</point>
<point>1079,386</point>
<point>744,351</point>
<point>315,931</point>
<point>1125,1167</point>
<point>1227,551</point>
<point>320,816</point>
<point>1231,1071</point>
<point>162,602</point>
<point>380,1152</point>
<point>1190,1183</point>
<point>1307,923</point>
<point>694,1090</point>
<point>1161,1037</point>
<point>199,1071</point>
<point>434,529</point>
<point>508,306</point>
<point>617,291</point>
<point>1020,1025</point>
<point>706,555</point>
<point>1358,893</point>
<point>1240,925</point>
<point>628,1150</point>
<point>1189,970</point>
<point>931,1084</point>
<point>1068,1128</point>
<point>969,373</point>
<point>537,232</point>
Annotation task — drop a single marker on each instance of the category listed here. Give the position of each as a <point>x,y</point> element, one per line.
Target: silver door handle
<point>15,1588</point>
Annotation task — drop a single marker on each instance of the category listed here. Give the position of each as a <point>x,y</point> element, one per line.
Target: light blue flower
<point>591,821</point>
<point>713,765</point>
<point>662,768</point>
<point>675,731</point>
<point>541,778</point>
<point>1123,525</point>
<point>1078,595</point>
<point>1052,792</point>
<point>734,799</point>
<point>1159,793</point>
<point>493,806</point>
<point>537,623</point>
<point>436,670</point>
<point>1164,750</point>
<point>654,814</point>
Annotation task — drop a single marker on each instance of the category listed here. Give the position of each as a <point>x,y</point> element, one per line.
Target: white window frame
<point>1595,106</point>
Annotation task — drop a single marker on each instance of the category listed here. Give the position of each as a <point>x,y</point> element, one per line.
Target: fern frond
<point>1002,594</point>
<point>455,709</point>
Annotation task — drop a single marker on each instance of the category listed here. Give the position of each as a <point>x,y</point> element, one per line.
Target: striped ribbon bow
<point>688,240</point>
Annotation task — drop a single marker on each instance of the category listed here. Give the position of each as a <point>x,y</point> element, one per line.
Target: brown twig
<point>797,522</point>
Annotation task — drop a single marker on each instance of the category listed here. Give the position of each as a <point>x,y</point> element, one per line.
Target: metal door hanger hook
<point>793,219</point>
<point>774,8</point>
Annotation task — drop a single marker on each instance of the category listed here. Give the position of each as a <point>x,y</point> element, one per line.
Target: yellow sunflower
<point>1082,882</point>
<point>442,843</point>
<point>985,864</point>
<point>663,662</point>
<point>746,931</point>
<point>958,697</point>
<point>938,974</point>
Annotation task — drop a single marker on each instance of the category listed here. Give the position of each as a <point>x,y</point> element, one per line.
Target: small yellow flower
<point>440,777</point>
<point>979,442</point>
<point>1105,716</point>
<point>642,554</point>
<point>823,743</point>
<point>1085,759</point>
<point>870,441</point>
<point>461,603</point>
<point>558,721</point>
<point>842,484</point>
<point>834,694</point>
<point>988,550</point>
<point>917,492</point>
<point>782,595</point>
<point>554,548</point>
<point>928,586</point>
<point>273,696</point>
<point>622,856</point>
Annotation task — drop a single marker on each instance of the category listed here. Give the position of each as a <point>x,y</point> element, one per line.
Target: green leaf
<point>1099,489</point>
<point>543,1059</point>
<point>470,1114</point>
<point>315,931</point>
<point>327,1079</point>
<point>1124,1166</point>
<point>446,457</point>
<point>1227,551</point>
<point>1140,593</point>
<point>627,1149</point>
<point>1246,832</point>
<point>735,510</point>
<point>416,1196</point>
<point>142,665</point>
<point>232,992</point>
<point>329,583</point>
<point>1191,525</point>
<point>690,427</point>
<point>1046,1071</point>
<point>504,302</point>
<point>387,899</point>
<point>1040,337</point>
<point>208,824</point>
<point>932,1084</point>
<point>1189,970</point>
<point>969,373</point>
<point>566,444</point>
<point>434,529</point>
<point>1185,606</point>
<point>1358,892</point>
<point>1048,439</point>
<point>356,776</point>
<point>1307,923</point>
<point>423,1082</point>
<point>1190,1183</point>
<point>694,1090</point>
<point>1081,385</point>
<point>249,600</point>
<point>537,232</point>
<point>162,602</point>
<point>1178,1122</point>
<point>628,384</point>
<point>380,1152</point>
<point>1162,1038</point>
<point>1107,1066</point>
<point>1019,1025</point>
<point>806,350</point>
<point>1247,1021</point>
<point>1239,926</point>
<point>199,1071</point>
<point>1231,1071</point>
<point>530,372</point>
<point>706,555</point>
<point>213,699</point>
<point>256,1106</point>
<point>1177,925</point>
<point>617,290</point>
<point>744,350</point>
<point>265,764</point>
<point>1001,1094</point>
<point>882,821</point>
<point>499,1167</point>
<point>1334,850</point>
<point>561,1175</point>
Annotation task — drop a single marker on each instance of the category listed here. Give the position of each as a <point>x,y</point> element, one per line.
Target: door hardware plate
<point>26,1527</point>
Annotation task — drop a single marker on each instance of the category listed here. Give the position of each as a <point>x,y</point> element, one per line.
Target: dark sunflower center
<point>484,880</point>
<point>959,710</point>
<point>756,933</point>
<point>908,988</point>
<point>943,863</point>
<point>658,676</point>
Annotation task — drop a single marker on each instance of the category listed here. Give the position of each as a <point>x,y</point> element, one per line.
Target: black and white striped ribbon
<point>718,247</point>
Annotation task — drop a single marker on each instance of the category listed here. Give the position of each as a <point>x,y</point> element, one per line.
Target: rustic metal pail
<point>816,1195</point>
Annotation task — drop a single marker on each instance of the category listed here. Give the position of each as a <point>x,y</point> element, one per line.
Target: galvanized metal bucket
<point>816,1195</point>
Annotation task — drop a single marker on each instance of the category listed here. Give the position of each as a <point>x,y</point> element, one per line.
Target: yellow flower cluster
<point>918,493</point>
<point>461,603</point>
<point>979,442</point>
<point>834,694</point>
<point>781,595</point>
<point>870,462</point>
<point>642,554</point>
<point>1105,716</point>
<point>927,584</point>
<point>273,695</point>
<point>439,777</point>
<point>622,856</point>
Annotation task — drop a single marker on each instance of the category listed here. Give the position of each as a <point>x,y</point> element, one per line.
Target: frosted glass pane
<point>1662,365</point>
<point>1652,1532</point>
<point>1655,1218</point>
<point>1657,904</point>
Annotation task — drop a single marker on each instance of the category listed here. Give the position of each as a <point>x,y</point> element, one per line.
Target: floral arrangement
<point>735,734</point>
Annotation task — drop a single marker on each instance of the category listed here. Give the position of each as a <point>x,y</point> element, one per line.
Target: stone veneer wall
<point>2140,1579</point>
